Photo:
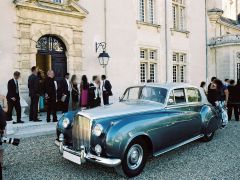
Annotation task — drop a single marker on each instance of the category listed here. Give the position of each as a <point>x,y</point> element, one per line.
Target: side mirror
<point>170,101</point>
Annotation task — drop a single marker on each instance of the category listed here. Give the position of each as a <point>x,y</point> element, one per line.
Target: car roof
<point>169,86</point>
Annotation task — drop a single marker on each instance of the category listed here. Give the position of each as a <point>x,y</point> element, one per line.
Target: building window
<point>152,73</point>
<point>146,11</point>
<point>143,54</point>
<point>143,72</point>
<point>178,8</point>
<point>238,70</point>
<point>152,55</point>
<point>148,65</point>
<point>179,67</point>
<point>58,1</point>
<point>142,10</point>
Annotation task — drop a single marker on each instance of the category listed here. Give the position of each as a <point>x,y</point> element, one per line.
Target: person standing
<point>232,101</point>
<point>34,94</point>
<point>212,90</point>
<point>94,92</point>
<point>41,77</point>
<point>106,90</point>
<point>84,93</point>
<point>237,96</point>
<point>222,95</point>
<point>75,92</point>
<point>2,129</point>
<point>65,93</point>
<point>13,98</point>
<point>51,96</point>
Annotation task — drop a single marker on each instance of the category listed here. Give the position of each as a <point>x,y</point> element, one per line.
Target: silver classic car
<point>149,120</point>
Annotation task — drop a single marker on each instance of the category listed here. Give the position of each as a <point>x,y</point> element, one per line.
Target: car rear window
<point>193,95</point>
<point>179,95</point>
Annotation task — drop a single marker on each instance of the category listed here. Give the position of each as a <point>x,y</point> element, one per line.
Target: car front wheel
<point>134,159</point>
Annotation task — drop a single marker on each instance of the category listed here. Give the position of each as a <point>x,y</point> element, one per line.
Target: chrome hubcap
<point>135,156</point>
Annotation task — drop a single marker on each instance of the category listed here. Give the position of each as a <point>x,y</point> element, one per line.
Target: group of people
<point>53,95</point>
<point>226,92</point>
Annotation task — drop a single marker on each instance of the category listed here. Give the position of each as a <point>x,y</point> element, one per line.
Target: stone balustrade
<point>224,40</point>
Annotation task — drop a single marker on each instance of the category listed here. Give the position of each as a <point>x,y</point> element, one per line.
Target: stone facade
<point>205,43</point>
<point>223,40</point>
<point>38,18</point>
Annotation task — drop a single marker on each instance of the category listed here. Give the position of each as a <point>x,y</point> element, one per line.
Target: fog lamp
<point>98,149</point>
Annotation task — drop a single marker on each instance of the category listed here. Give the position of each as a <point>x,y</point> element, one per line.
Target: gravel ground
<point>38,158</point>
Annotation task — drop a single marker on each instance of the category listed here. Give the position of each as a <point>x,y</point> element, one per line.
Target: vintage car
<point>149,120</point>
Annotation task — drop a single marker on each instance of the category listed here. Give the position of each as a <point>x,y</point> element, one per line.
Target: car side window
<point>193,95</point>
<point>179,95</point>
<point>131,94</point>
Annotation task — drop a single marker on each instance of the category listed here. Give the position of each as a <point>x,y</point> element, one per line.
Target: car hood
<point>122,108</point>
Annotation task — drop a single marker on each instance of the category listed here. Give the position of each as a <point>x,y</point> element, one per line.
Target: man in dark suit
<point>107,90</point>
<point>65,92</point>
<point>13,98</point>
<point>34,93</point>
<point>51,96</point>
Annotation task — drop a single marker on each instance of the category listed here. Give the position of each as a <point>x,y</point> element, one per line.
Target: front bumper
<point>80,157</point>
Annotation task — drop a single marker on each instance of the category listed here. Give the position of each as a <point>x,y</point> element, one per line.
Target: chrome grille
<point>81,133</point>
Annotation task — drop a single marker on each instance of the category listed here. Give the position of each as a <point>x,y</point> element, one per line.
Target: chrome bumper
<point>82,157</point>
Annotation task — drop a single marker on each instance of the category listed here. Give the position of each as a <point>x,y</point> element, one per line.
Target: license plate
<point>71,157</point>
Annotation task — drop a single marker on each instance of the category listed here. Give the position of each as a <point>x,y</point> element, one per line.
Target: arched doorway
<point>51,54</point>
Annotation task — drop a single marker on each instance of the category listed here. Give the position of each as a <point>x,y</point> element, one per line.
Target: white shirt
<point>97,90</point>
<point>103,86</point>
<point>68,83</point>
<point>16,83</point>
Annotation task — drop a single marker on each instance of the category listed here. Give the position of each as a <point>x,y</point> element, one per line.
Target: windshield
<point>154,94</point>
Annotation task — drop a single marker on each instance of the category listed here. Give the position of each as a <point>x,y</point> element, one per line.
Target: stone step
<point>30,129</point>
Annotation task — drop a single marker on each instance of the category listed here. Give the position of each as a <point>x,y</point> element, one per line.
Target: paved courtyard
<point>38,158</point>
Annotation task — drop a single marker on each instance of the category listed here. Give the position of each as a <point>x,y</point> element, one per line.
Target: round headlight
<point>65,122</point>
<point>97,130</point>
<point>98,149</point>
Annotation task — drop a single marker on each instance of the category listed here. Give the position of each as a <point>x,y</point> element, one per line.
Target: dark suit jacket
<point>12,90</point>
<point>33,86</point>
<point>50,88</point>
<point>64,87</point>
<point>108,87</point>
<point>237,93</point>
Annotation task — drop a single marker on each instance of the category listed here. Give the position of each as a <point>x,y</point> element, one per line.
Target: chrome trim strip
<point>177,146</point>
<point>96,159</point>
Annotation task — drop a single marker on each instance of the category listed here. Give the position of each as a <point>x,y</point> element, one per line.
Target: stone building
<point>224,39</point>
<point>161,40</point>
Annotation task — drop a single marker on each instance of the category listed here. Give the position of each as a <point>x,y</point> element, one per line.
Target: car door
<point>170,131</point>
<point>180,117</point>
<point>194,100</point>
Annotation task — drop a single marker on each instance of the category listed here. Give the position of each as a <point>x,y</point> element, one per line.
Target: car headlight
<point>98,130</point>
<point>65,122</point>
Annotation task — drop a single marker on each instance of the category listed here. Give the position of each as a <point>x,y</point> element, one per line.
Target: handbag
<point>41,103</point>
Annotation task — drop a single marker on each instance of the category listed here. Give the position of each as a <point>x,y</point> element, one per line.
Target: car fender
<point>119,137</point>
<point>210,118</point>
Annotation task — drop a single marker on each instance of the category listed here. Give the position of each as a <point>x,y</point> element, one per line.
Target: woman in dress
<point>75,92</point>
<point>84,87</point>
